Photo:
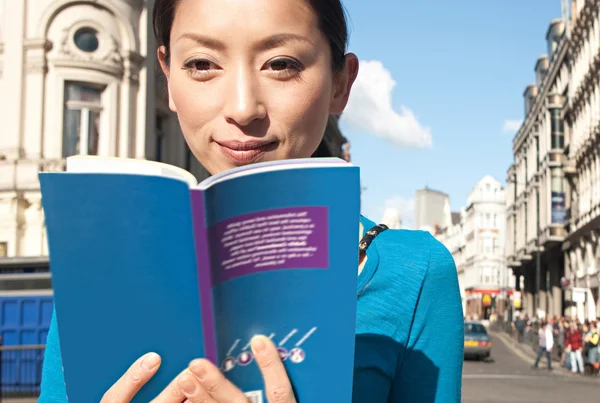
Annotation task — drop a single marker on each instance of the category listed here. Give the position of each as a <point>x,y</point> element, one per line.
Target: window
<point>3,249</point>
<point>86,40</point>
<point>488,220</point>
<point>474,328</point>
<point>81,126</point>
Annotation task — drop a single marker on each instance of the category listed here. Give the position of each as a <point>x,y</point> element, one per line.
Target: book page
<point>269,166</point>
<point>283,259</point>
<point>89,164</point>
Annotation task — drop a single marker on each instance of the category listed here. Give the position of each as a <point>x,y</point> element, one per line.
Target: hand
<point>202,382</point>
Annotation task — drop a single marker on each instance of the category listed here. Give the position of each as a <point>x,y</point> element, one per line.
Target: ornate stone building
<point>582,114</point>
<point>535,193</point>
<point>553,192</point>
<point>476,240</point>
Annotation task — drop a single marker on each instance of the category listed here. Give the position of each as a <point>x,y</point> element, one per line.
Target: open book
<point>144,259</point>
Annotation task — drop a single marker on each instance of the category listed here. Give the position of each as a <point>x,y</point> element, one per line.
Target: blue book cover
<point>143,259</point>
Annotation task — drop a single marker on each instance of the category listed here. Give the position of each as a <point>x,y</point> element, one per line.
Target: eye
<point>199,68</point>
<point>284,67</point>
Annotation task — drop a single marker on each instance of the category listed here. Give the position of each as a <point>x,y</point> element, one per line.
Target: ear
<point>162,55</point>
<point>343,84</point>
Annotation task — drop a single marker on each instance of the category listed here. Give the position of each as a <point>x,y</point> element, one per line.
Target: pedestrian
<point>575,344</point>
<point>560,338</point>
<point>545,343</point>
<point>590,340</point>
<point>256,81</point>
<point>519,326</point>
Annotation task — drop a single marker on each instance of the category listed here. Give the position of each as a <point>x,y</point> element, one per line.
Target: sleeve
<point>53,382</point>
<point>430,370</point>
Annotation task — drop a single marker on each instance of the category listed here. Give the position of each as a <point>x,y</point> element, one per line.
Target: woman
<point>575,345</point>
<point>256,80</point>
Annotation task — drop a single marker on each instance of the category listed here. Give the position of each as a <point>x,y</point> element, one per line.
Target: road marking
<point>501,376</point>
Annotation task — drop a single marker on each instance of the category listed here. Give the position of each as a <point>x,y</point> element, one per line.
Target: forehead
<point>230,18</point>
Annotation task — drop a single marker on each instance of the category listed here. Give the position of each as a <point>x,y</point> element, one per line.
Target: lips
<point>244,152</point>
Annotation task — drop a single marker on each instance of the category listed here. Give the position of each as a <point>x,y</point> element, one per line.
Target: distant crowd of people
<point>573,343</point>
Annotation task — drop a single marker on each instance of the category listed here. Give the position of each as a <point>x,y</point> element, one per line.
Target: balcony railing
<point>20,371</point>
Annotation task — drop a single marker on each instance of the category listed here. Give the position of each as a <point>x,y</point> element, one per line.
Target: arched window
<point>90,105</point>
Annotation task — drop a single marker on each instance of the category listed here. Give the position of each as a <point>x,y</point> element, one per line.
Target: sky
<point>439,96</point>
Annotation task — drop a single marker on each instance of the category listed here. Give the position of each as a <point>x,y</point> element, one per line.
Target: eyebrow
<point>271,42</point>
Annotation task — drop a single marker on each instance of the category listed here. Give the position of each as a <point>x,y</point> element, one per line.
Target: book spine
<point>204,274</point>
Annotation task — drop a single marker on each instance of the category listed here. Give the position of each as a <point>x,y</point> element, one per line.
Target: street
<point>508,377</point>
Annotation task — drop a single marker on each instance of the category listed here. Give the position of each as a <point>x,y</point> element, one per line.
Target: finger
<point>191,388</point>
<point>214,382</point>
<point>277,383</point>
<point>133,379</point>
<point>173,392</point>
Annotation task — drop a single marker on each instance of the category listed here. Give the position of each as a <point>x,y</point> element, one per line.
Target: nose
<point>243,102</point>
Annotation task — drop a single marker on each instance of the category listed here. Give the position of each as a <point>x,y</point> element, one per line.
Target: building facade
<point>432,210</point>
<point>536,211</point>
<point>553,191</point>
<point>77,77</point>
<point>476,241</point>
<point>582,115</point>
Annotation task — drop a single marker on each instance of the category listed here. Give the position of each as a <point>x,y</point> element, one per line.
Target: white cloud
<point>511,126</point>
<point>370,109</point>
<point>402,207</point>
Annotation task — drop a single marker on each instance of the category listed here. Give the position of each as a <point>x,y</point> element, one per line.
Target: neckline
<point>372,262</point>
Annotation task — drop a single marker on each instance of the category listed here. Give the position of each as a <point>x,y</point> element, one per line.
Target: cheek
<point>194,108</point>
<point>304,111</point>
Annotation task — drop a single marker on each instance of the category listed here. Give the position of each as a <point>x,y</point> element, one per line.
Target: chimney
<point>530,93</point>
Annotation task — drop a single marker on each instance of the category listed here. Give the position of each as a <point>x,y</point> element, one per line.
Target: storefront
<point>484,304</point>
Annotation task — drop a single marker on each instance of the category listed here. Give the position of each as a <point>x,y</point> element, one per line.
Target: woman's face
<point>252,80</point>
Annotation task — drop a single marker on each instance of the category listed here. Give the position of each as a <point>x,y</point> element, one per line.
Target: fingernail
<point>188,385</point>
<point>258,344</point>
<point>150,361</point>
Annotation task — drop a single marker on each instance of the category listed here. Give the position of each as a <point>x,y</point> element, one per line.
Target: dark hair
<point>332,22</point>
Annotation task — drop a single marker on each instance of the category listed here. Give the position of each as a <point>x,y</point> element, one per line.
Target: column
<point>129,95</point>
<point>543,306</point>
<point>12,80</point>
<point>35,73</point>
<point>555,308</point>
<point>528,300</point>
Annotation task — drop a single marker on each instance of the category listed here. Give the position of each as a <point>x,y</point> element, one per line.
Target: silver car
<point>477,341</point>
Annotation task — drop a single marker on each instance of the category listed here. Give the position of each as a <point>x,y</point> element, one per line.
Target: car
<point>477,341</point>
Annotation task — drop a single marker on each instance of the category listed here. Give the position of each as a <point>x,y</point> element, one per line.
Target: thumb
<point>277,383</point>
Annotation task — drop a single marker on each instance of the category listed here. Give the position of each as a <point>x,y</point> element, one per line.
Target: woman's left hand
<point>209,385</point>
